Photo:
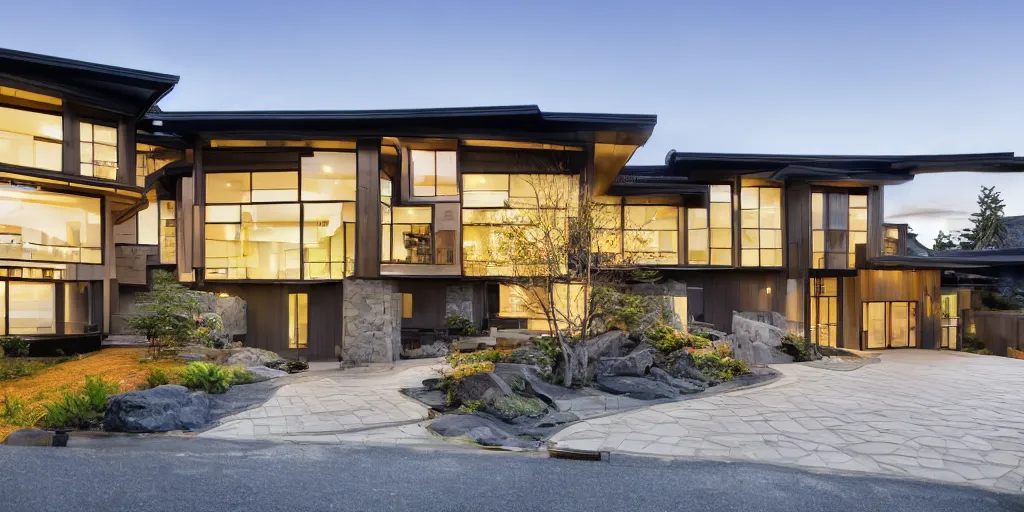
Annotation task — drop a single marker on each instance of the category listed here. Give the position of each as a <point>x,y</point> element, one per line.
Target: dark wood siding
<point>735,290</point>
<point>367,208</point>
<point>921,286</point>
<point>267,316</point>
<point>428,303</point>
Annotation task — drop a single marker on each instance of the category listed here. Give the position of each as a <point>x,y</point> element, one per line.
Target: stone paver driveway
<point>327,403</point>
<point>934,415</point>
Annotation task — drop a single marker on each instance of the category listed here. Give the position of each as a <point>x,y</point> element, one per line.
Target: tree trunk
<point>575,364</point>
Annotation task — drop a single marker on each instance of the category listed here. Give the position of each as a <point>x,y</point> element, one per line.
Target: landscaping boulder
<point>557,418</point>
<point>680,365</point>
<point>438,349</point>
<point>249,356</point>
<point>580,360</point>
<point>263,373</point>
<point>479,429</point>
<point>30,437</point>
<point>636,364</point>
<point>527,380</point>
<point>685,386</point>
<point>161,409</point>
<point>484,386</point>
<point>636,387</point>
<point>531,355</point>
<point>756,342</point>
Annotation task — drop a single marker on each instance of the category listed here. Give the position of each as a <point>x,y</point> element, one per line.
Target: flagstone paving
<point>333,402</point>
<point>924,414</point>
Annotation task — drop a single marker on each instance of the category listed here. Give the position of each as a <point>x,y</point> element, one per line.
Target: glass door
<point>824,311</point>
<point>298,321</point>
<point>890,324</point>
<point>950,321</point>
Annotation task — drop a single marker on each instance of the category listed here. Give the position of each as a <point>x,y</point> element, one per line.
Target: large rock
<point>438,349</point>
<point>772,318</point>
<point>636,364</point>
<point>583,357</point>
<point>484,386</point>
<point>232,310</point>
<point>636,387</point>
<point>685,386</point>
<point>481,430</point>
<point>680,365</point>
<point>527,379</point>
<point>757,342</point>
<point>263,373</point>
<point>249,356</point>
<point>161,409</point>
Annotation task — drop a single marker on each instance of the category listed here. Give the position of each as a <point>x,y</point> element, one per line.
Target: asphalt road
<point>159,474</point>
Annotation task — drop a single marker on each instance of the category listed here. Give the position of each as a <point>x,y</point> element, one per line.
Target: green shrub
<point>16,411</point>
<point>208,377</point>
<point>972,343</point>
<point>800,348</point>
<point>480,356</point>
<point>157,377</point>
<point>240,375</point>
<point>515,406</point>
<point>668,340</point>
<point>460,325</point>
<point>14,346</point>
<point>719,366</point>
<point>472,406</point>
<point>623,310</point>
<point>296,366</point>
<point>1,352</point>
<point>549,346</point>
<point>83,409</point>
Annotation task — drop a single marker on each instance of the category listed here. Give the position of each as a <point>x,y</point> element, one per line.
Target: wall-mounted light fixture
<point>223,295</point>
<point>768,290</point>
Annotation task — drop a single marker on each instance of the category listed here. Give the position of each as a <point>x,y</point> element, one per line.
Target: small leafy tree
<point>170,312</point>
<point>989,231</point>
<point>563,251</point>
<point>945,242</point>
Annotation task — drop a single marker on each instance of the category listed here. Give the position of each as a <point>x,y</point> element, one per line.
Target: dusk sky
<point>850,77</point>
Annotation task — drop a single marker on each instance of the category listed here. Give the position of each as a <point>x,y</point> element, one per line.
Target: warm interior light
<point>327,169</point>
<point>228,184</point>
<point>223,295</point>
<point>769,290</point>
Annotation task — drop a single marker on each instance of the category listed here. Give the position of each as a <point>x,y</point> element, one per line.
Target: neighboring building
<point>346,231</point>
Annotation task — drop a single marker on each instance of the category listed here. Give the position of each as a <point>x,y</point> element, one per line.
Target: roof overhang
<point>1013,257</point>
<point>125,91</point>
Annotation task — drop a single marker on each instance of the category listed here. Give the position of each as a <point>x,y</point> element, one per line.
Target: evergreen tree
<point>989,232</point>
<point>944,242</point>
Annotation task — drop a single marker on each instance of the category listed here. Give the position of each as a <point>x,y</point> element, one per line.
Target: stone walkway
<point>331,402</point>
<point>935,415</point>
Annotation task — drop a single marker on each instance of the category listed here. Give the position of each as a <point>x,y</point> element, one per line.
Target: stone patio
<point>943,416</point>
<point>332,402</point>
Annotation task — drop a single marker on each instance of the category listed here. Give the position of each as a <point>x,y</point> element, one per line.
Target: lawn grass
<point>124,366</point>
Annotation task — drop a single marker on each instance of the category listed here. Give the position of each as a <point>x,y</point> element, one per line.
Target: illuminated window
<point>298,320</point>
<point>167,233</point>
<point>824,311</point>
<point>515,301</point>
<point>31,308</point>
<point>709,230</point>
<point>99,150</point>
<point>76,308</point>
<point>150,158</point>
<point>606,240</point>
<point>651,234</point>
<point>31,130</point>
<point>839,221</point>
<point>48,226</point>
<point>257,228</point>
<point>891,243</point>
<point>154,225</point>
<point>407,231</point>
<point>406,305</point>
<point>761,227</point>
<point>147,226</point>
<point>325,226</point>
<point>493,201</point>
<point>329,176</point>
<point>433,173</point>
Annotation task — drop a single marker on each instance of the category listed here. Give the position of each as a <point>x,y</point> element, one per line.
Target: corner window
<point>31,130</point>
<point>761,227</point>
<point>99,150</point>
<point>433,173</point>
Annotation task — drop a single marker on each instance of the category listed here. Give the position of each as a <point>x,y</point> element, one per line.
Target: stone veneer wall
<point>372,320</point>
<point>458,298</point>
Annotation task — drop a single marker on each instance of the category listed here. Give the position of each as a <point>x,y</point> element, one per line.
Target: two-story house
<point>342,230</point>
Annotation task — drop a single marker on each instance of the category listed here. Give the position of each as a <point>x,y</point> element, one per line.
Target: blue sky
<point>852,77</point>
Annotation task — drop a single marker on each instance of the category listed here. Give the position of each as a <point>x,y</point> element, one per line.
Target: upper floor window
<point>407,235</point>
<point>99,150</point>
<point>433,173</point>
<point>839,222</point>
<point>329,176</point>
<point>709,230</point>
<point>761,227</point>
<point>891,243</point>
<point>651,234</point>
<point>39,225</point>
<point>31,130</point>
<point>150,159</point>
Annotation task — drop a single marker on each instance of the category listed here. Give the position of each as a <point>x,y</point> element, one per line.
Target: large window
<point>407,235</point>
<point>31,129</point>
<point>824,311</point>
<point>515,301</point>
<point>155,225</point>
<point>492,201</point>
<point>31,308</point>
<point>49,226</point>
<point>257,228</point>
<point>150,158</point>
<point>77,314</point>
<point>298,320</point>
<point>761,227</point>
<point>709,230</point>
<point>99,150</point>
<point>433,173</point>
<point>651,234</point>
<point>839,222</point>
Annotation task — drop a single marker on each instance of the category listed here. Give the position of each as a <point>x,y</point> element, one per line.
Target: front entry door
<point>824,311</point>
<point>298,321</point>
<point>950,321</point>
<point>889,325</point>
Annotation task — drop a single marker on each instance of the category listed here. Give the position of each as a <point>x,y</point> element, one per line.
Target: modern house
<point>346,230</point>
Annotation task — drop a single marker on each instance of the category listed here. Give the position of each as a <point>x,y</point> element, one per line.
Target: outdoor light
<point>223,295</point>
<point>768,290</point>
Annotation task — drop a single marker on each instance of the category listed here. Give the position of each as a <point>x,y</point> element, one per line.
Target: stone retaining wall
<point>372,319</point>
